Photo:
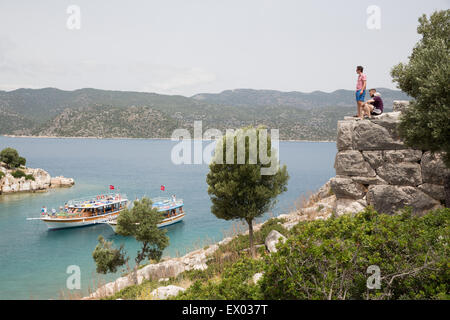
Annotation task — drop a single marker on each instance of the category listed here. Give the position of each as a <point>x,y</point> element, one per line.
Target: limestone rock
<point>376,135</point>
<point>433,168</point>
<point>351,163</point>
<point>324,191</point>
<point>407,155</point>
<point>433,190</point>
<point>61,182</point>
<point>345,135</point>
<point>400,105</point>
<point>389,199</point>
<point>369,180</point>
<point>374,158</point>
<point>351,206</point>
<point>163,293</point>
<point>404,173</point>
<point>272,239</point>
<point>347,188</point>
<point>389,116</point>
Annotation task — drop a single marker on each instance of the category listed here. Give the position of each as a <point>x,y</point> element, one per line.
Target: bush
<point>11,157</point>
<point>19,174</point>
<point>235,284</point>
<point>329,259</point>
<point>2,174</point>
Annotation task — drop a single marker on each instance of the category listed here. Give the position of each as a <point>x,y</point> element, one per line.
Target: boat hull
<point>53,224</point>
<point>166,222</point>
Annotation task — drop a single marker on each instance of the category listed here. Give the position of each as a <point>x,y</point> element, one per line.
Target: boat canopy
<point>164,203</point>
<point>98,201</point>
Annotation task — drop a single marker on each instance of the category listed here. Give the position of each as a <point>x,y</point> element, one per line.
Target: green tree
<point>107,258</point>
<point>11,158</point>
<point>426,77</point>
<point>238,190</point>
<point>141,223</point>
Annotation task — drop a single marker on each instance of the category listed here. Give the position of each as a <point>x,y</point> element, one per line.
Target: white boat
<point>170,208</point>
<point>86,211</point>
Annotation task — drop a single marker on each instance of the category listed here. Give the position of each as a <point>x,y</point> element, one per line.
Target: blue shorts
<point>360,97</point>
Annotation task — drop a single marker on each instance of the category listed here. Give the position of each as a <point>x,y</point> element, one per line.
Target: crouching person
<point>374,106</point>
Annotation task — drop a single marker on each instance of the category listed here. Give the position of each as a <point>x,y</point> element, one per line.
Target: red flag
<point>163,188</point>
<point>111,187</point>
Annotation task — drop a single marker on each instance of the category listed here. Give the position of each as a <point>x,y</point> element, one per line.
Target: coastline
<point>128,138</point>
<point>318,207</point>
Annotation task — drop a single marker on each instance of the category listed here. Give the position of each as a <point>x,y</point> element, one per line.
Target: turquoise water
<point>33,260</point>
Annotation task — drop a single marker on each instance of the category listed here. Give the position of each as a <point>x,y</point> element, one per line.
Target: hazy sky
<point>192,46</point>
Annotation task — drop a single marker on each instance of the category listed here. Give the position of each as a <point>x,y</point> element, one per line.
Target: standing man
<point>360,90</point>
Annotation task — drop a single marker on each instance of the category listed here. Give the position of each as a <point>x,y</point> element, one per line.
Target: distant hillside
<point>103,113</point>
<point>108,122</point>
<point>11,121</point>
<point>251,97</point>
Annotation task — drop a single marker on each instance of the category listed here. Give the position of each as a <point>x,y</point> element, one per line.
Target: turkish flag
<point>111,187</point>
<point>163,188</point>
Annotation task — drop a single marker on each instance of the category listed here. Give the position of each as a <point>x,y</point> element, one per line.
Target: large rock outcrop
<point>374,167</point>
<point>42,181</point>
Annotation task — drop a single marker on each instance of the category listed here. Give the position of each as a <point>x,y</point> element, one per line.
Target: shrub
<point>2,174</point>
<point>329,259</point>
<point>18,174</point>
<point>235,284</point>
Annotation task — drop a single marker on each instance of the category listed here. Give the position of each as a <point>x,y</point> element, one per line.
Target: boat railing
<point>80,201</point>
<point>166,200</point>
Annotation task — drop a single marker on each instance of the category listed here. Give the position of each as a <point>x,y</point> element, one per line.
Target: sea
<point>36,263</point>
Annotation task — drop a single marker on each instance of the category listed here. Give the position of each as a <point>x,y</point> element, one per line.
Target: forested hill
<point>103,113</point>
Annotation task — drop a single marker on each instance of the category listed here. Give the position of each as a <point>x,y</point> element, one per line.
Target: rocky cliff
<point>42,181</point>
<point>374,167</point>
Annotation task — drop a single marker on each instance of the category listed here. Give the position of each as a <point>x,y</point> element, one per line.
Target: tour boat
<point>170,208</point>
<point>86,211</point>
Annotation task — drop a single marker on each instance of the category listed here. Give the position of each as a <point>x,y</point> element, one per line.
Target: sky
<point>187,47</point>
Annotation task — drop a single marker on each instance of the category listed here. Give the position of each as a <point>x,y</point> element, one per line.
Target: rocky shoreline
<point>41,183</point>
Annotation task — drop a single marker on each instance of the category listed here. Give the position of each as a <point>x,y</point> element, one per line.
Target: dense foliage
<point>239,190</point>
<point>235,283</point>
<point>426,78</point>
<point>11,158</point>
<point>329,259</point>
